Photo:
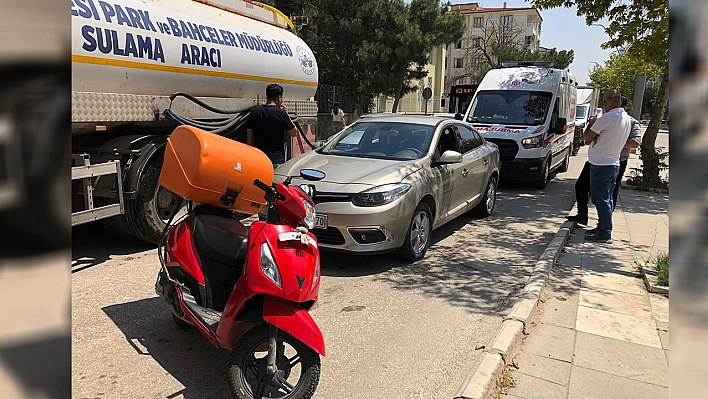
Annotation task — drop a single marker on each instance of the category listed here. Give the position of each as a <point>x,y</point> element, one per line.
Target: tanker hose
<point>203,104</point>
<point>303,135</point>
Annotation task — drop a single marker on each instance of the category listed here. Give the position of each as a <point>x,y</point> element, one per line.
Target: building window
<point>458,63</point>
<point>505,22</point>
<point>478,22</point>
<point>539,28</point>
<point>458,44</point>
<point>477,42</point>
<point>528,40</point>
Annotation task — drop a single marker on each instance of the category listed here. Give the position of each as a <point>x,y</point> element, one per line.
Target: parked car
<point>390,180</point>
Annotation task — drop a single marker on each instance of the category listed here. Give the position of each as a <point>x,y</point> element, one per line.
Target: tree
<point>619,72</point>
<point>395,57</point>
<point>642,29</point>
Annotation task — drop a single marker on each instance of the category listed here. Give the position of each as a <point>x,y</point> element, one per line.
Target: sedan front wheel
<point>419,235</point>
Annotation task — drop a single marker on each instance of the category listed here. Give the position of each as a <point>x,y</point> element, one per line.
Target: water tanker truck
<point>129,56</point>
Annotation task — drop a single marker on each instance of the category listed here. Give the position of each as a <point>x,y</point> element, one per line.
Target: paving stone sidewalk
<point>597,332</point>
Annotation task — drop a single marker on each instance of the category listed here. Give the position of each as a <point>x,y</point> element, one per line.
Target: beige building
<point>414,102</point>
<point>485,26</point>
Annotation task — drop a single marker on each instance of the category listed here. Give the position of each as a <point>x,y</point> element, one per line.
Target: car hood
<point>348,174</point>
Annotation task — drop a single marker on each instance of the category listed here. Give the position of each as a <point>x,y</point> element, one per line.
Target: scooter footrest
<point>209,317</point>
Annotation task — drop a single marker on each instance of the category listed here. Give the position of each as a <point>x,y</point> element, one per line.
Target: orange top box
<point>204,167</point>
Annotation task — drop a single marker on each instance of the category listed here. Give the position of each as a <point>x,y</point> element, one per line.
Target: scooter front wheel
<point>298,367</point>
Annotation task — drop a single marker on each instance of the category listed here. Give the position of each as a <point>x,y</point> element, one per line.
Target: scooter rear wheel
<point>298,367</point>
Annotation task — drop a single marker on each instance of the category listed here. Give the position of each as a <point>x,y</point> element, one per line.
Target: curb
<point>480,382</point>
<point>649,277</point>
<point>626,186</point>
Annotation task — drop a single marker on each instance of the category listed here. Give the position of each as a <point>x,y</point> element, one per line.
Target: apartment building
<point>515,26</point>
<point>414,102</point>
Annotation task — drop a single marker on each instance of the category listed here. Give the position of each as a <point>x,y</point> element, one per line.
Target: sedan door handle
<point>465,172</point>
<point>486,161</point>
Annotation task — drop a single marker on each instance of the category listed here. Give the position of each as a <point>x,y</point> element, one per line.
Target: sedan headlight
<point>532,142</point>
<point>268,265</point>
<point>310,216</point>
<point>380,195</point>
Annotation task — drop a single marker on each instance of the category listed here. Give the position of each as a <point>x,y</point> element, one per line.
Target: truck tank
<point>129,56</point>
<point>154,47</point>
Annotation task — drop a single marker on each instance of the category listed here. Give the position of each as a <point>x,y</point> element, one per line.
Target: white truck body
<point>528,112</point>
<point>129,56</point>
<point>587,103</point>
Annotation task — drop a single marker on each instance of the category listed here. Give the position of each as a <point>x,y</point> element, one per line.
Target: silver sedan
<point>390,180</point>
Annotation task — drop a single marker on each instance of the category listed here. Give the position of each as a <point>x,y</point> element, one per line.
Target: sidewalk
<point>597,332</point>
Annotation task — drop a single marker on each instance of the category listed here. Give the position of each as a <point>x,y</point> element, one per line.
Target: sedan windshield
<point>511,107</point>
<point>382,140</point>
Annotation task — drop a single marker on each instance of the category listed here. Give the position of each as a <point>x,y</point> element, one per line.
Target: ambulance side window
<point>554,116</point>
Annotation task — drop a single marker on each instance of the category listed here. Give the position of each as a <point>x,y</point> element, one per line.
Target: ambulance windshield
<point>511,107</point>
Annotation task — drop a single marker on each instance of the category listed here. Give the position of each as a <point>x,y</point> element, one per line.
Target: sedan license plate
<point>320,221</point>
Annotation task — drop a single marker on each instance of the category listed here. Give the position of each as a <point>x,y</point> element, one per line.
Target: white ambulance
<point>528,110</point>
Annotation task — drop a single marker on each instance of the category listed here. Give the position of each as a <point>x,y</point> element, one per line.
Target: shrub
<point>661,265</point>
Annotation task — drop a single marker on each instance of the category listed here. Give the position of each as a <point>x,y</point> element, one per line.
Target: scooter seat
<point>221,239</point>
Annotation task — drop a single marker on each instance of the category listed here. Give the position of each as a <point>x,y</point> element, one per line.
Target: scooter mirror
<point>311,174</point>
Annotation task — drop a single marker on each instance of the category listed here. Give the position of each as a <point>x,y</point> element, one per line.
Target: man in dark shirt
<point>267,125</point>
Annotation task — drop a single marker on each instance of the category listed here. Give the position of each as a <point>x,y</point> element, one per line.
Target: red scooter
<point>249,289</point>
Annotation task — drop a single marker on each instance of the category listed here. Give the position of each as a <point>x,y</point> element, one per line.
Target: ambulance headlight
<point>532,142</point>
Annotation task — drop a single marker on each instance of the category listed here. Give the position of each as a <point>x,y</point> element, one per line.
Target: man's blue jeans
<point>602,183</point>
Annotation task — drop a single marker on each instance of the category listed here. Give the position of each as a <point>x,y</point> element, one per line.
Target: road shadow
<point>482,264</point>
<point>185,354</point>
<point>41,366</point>
<point>92,245</point>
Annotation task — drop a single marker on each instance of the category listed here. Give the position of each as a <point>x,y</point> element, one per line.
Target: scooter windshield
<point>511,107</point>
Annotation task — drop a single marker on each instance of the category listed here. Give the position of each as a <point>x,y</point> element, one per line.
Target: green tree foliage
<point>374,46</point>
<point>620,72</point>
<point>394,59</point>
<point>641,27</point>
<point>561,59</point>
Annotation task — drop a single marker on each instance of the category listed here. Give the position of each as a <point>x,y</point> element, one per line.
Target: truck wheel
<point>148,213</point>
<point>543,181</point>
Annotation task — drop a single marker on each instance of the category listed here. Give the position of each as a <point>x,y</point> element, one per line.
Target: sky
<point>564,30</point>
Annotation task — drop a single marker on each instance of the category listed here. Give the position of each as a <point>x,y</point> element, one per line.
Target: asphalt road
<point>392,330</point>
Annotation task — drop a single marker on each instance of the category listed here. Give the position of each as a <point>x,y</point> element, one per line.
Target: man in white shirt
<point>337,118</point>
<point>607,135</point>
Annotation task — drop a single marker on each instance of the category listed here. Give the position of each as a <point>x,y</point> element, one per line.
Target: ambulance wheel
<point>566,162</point>
<point>542,182</point>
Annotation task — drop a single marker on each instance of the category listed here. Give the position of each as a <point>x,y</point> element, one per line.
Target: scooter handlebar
<point>269,190</point>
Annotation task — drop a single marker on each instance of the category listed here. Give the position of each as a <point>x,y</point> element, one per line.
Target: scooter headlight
<point>268,265</point>
<point>310,215</point>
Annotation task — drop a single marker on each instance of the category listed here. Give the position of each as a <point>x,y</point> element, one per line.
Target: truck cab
<point>528,111</point>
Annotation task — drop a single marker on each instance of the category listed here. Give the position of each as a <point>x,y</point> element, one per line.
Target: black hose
<point>303,135</point>
<point>203,104</point>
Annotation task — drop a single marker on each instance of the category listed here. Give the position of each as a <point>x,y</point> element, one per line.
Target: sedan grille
<point>330,236</point>
<point>507,148</point>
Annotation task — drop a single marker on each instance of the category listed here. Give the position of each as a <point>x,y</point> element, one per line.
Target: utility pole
<point>639,96</point>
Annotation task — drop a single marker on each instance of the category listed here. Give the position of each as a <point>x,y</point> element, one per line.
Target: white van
<point>529,113</point>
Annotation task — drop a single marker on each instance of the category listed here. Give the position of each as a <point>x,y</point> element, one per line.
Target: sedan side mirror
<point>450,156</point>
<point>458,116</point>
